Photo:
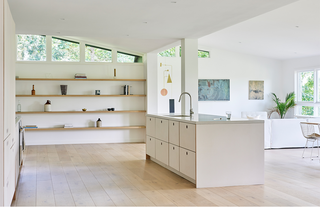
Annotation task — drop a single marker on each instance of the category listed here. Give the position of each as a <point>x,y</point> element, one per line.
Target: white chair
<point>308,132</point>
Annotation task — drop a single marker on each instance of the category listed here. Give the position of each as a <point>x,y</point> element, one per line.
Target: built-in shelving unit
<point>69,79</point>
<point>85,128</point>
<point>139,95</point>
<point>79,112</point>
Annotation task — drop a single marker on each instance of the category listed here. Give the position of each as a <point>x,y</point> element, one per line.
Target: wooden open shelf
<point>66,79</point>
<point>85,128</point>
<point>81,95</point>
<point>78,112</point>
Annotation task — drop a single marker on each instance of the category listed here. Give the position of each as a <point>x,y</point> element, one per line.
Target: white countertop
<point>205,119</point>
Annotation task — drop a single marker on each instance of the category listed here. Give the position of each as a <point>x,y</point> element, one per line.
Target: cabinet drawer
<point>151,146</point>
<point>162,129</point>
<point>188,136</point>
<point>162,151</point>
<point>174,132</point>
<point>174,157</point>
<point>188,163</point>
<point>151,126</point>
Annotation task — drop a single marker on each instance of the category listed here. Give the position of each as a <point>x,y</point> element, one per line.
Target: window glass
<point>168,53</point>
<point>307,110</point>
<point>31,47</point>
<point>306,86</point>
<point>203,54</point>
<point>65,50</point>
<point>97,54</point>
<point>128,58</point>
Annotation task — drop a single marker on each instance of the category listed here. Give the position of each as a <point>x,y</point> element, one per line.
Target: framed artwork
<point>256,90</point>
<point>214,90</point>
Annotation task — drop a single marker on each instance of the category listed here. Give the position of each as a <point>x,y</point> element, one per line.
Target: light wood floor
<point>118,174</point>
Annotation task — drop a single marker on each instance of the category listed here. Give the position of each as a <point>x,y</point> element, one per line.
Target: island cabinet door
<point>174,157</point>
<point>151,146</point>
<point>188,136</point>
<point>162,151</point>
<point>188,163</point>
<point>174,132</point>
<point>151,126</point>
<point>162,129</point>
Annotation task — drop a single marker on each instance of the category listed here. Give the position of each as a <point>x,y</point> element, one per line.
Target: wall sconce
<point>166,78</point>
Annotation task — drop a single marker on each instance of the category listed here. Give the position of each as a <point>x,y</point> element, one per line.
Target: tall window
<point>168,53</point>
<point>31,47</point>
<point>123,57</point>
<point>98,54</point>
<point>65,50</point>
<point>308,92</point>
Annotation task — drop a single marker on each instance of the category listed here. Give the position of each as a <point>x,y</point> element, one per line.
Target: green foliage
<point>94,54</point>
<point>168,53</point>
<point>307,110</point>
<point>127,58</point>
<point>31,47</point>
<point>63,50</point>
<point>307,86</point>
<point>203,54</point>
<point>282,107</point>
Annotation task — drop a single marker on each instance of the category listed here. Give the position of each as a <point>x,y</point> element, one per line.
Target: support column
<point>189,74</point>
<point>151,67</point>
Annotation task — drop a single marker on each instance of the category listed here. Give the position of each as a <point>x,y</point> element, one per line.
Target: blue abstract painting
<point>213,90</point>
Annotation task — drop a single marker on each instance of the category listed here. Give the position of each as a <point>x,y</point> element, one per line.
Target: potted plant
<point>282,107</point>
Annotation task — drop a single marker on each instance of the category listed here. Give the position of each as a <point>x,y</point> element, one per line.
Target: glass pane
<point>63,50</point>
<point>127,58</point>
<point>94,54</point>
<point>307,110</point>
<point>31,48</point>
<point>306,86</point>
<point>168,53</point>
<point>203,54</point>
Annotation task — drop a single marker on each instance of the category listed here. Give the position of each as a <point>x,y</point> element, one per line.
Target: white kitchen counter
<point>207,150</point>
<point>205,119</point>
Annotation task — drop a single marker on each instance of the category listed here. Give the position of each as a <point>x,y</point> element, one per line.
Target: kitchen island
<point>207,150</point>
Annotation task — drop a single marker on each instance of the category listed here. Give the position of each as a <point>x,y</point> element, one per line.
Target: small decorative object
<point>112,109</point>
<point>166,78</point>
<point>213,90</point>
<point>19,106</point>
<point>99,123</point>
<point>282,107</point>
<point>84,109</point>
<point>171,105</point>
<point>228,113</point>
<point>256,90</point>
<point>80,76</point>
<point>68,126</point>
<point>33,92</point>
<point>126,90</point>
<point>63,89</point>
<point>109,109</point>
<point>114,73</point>
<point>47,106</point>
<point>97,92</point>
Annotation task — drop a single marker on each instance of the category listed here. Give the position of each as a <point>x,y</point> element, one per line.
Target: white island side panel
<point>229,154</point>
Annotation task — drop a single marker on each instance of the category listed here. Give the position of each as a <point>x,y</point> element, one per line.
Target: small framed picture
<point>97,92</point>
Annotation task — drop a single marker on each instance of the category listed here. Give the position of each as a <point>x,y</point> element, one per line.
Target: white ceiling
<point>289,32</point>
<point>135,25</point>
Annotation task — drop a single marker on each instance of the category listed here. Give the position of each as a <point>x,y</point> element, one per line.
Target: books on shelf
<point>31,126</point>
<point>80,76</point>
<point>68,126</point>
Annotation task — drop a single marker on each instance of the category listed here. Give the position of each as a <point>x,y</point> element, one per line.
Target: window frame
<point>125,53</point>
<point>101,48</point>
<point>75,42</point>
<point>316,96</point>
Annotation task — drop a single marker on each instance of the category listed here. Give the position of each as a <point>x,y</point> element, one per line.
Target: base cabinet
<point>174,157</point>
<point>151,146</point>
<point>188,163</point>
<point>162,151</point>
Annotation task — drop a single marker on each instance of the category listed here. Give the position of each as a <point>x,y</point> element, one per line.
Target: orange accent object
<point>164,92</point>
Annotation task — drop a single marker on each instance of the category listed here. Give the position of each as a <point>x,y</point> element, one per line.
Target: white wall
<point>239,68</point>
<point>289,68</point>
<point>92,70</point>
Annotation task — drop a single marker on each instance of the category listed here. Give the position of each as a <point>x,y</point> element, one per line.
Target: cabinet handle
<point>186,153</point>
<point>150,139</point>
<point>173,124</point>
<point>173,147</point>
<point>161,122</point>
<point>161,143</point>
<point>150,119</point>
<point>187,126</point>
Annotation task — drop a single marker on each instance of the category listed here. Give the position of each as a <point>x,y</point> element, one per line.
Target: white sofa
<point>280,133</point>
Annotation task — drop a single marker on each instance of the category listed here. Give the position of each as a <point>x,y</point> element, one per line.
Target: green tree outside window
<point>96,54</point>
<point>65,50</point>
<point>31,47</point>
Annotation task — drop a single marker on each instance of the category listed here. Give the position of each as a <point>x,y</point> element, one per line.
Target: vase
<point>63,89</point>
